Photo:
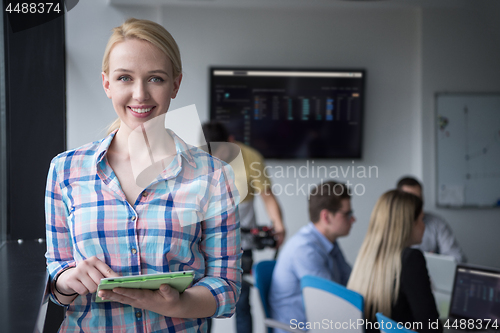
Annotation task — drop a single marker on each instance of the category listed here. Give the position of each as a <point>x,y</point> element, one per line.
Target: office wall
<point>384,42</point>
<point>460,53</point>
<point>270,37</point>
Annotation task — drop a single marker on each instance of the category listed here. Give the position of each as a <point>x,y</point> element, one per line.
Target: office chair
<point>325,299</point>
<point>263,273</point>
<point>387,325</point>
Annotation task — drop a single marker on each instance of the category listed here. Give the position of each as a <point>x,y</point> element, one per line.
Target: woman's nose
<point>140,91</point>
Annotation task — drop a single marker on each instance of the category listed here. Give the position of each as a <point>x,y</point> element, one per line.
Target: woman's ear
<point>105,84</point>
<point>177,84</point>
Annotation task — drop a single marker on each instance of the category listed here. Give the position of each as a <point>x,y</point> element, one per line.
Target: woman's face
<point>418,230</point>
<point>140,82</point>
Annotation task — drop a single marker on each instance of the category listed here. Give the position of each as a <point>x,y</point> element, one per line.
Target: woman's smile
<point>140,111</point>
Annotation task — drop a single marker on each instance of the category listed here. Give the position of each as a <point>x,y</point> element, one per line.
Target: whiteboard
<point>468,149</point>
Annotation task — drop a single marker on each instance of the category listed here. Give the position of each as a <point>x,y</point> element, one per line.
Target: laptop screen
<point>476,293</point>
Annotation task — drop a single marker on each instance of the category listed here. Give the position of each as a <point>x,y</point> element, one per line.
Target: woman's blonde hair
<point>145,30</point>
<point>376,272</point>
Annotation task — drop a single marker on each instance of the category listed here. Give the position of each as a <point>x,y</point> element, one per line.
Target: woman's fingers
<point>104,269</point>
<point>87,275</point>
<point>138,298</point>
<point>89,283</point>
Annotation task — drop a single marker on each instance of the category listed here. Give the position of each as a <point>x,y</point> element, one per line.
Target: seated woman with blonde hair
<point>391,276</point>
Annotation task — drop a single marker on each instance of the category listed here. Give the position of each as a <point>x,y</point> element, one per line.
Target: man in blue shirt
<point>312,251</point>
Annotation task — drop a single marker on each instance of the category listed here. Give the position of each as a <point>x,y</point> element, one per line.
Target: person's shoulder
<point>250,152</point>
<point>199,153</point>
<point>413,269</point>
<point>77,154</point>
<point>411,256</point>
<point>203,160</point>
<point>301,241</point>
<point>195,156</point>
<point>432,216</point>
<point>295,248</point>
<point>431,219</point>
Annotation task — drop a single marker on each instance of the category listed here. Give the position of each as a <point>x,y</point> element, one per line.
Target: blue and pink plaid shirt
<point>186,219</point>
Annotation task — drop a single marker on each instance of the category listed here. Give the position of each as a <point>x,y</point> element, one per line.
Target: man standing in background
<point>258,184</point>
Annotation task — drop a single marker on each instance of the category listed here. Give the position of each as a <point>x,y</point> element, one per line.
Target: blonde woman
<point>102,222</point>
<point>390,275</point>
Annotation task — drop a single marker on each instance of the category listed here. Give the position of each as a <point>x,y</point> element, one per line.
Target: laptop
<point>475,300</point>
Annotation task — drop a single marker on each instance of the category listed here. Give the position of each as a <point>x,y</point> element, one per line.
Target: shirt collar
<point>183,149</point>
<point>104,146</point>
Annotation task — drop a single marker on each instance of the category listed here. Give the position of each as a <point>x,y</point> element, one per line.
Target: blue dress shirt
<point>307,253</point>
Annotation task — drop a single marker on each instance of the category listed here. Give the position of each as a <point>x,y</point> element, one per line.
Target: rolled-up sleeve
<point>59,253</point>
<point>221,246</point>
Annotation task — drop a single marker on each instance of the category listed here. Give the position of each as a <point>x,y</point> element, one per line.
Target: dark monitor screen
<point>291,113</point>
<point>476,294</point>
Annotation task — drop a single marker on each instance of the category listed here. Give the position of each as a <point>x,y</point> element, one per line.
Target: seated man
<point>438,237</point>
<point>313,250</point>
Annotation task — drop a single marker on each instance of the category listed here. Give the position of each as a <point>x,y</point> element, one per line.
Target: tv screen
<point>291,113</point>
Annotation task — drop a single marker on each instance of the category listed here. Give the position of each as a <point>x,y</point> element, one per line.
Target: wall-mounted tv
<point>291,113</point>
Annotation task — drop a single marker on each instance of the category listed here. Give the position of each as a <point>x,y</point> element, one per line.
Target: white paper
<point>451,195</point>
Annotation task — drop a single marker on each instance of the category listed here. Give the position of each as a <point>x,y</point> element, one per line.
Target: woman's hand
<point>194,302</point>
<point>163,301</point>
<point>82,279</point>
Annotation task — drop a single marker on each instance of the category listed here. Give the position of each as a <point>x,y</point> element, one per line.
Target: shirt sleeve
<point>59,253</point>
<point>220,245</point>
<point>418,291</point>
<point>447,242</point>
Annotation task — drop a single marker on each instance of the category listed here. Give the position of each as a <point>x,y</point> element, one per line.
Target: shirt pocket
<point>183,219</point>
<point>185,224</point>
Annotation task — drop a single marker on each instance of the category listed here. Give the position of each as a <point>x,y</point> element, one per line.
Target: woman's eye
<point>124,78</point>
<point>156,79</point>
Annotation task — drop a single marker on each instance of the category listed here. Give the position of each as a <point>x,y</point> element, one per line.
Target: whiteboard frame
<point>437,95</point>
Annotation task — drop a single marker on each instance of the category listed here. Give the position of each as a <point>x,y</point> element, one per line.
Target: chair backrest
<point>326,299</point>
<point>387,325</point>
<point>263,273</point>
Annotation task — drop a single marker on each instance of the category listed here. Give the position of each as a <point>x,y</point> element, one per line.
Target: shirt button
<point>134,251</point>
<point>138,314</point>
<point>144,194</point>
<point>134,218</point>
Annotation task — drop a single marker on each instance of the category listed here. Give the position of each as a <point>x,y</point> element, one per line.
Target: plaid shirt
<point>186,219</point>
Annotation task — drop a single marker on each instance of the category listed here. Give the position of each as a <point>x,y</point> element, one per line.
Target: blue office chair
<point>263,273</point>
<point>387,325</point>
<point>325,299</point>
